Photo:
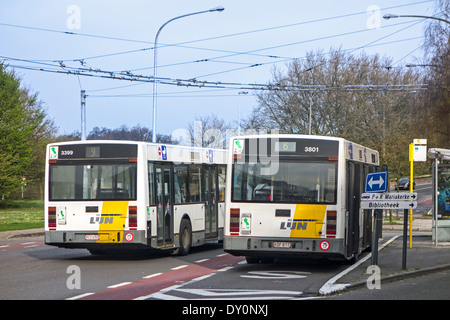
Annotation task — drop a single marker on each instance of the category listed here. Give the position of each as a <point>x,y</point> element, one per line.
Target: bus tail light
<point>132,217</point>
<point>235,216</point>
<point>331,224</point>
<point>51,218</point>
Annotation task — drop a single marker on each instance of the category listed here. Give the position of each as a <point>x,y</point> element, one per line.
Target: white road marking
<point>118,285</point>
<point>221,255</point>
<point>179,267</point>
<point>81,296</point>
<point>152,275</point>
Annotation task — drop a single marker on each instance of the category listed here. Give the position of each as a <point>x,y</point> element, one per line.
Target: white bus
<point>297,195</point>
<point>109,196</point>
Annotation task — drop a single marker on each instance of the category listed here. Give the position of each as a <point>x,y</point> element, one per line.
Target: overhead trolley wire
<point>60,66</point>
<point>181,44</point>
<point>415,22</point>
<point>223,85</point>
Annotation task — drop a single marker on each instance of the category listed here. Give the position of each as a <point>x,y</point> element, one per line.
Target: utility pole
<point>83,115</point>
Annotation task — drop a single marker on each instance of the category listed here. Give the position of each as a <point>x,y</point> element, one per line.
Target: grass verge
<point>21,214</point>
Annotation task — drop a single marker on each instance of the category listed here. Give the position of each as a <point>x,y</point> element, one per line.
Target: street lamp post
<point>83,115</point>
<point>391,16</point>
<point>218,9</point>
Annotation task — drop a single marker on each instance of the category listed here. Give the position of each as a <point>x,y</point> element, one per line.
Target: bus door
<point>210,197</point>
<point>353,203</point>
<point>164,203</point>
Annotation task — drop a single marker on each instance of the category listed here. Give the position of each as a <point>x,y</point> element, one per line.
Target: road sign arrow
<point>379,182</point>
<point>365,196</point>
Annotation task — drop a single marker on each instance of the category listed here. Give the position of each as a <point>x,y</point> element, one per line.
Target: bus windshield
<point>295,181</point>
<point>92,182</point>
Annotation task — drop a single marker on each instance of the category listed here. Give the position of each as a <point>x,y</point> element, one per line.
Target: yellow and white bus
<point>297,195</point>
<point>108,196</point>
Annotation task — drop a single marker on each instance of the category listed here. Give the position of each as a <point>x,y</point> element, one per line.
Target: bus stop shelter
<point>441,194</point>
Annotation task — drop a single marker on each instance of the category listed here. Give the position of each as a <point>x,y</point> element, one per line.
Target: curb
<point>23,235</point>
<point>5,235</point>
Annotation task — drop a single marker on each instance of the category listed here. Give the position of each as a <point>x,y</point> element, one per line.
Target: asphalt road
<point>424,200</point>
<point>32,270</point>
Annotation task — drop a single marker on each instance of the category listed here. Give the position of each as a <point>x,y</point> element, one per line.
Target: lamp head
<point>389,16</point>
<point>219,9</point>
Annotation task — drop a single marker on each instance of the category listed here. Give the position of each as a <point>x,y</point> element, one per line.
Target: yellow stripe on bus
<point>113,218</point>
<point>308,219</point>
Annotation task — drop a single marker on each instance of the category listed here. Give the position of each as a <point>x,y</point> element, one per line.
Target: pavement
<point>423,258</point>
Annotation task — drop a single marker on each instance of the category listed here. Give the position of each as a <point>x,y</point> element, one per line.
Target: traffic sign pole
<point>375,238</point>
<point>411,188</point>
<point>405,236</point>
<point>417,152</point>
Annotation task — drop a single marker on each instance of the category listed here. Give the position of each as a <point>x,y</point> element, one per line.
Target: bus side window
<point>180,184</point>
<point>222,172</point>
<point>195,183</point>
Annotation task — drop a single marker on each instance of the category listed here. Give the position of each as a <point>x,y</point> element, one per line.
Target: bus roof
<point>161,151</point>
<point>353,151</point>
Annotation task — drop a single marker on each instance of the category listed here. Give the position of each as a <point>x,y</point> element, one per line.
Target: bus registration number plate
<point>92,237</point>
<point>281,244</point>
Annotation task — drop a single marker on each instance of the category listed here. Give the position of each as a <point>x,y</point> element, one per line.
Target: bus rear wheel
<point>185,237</point>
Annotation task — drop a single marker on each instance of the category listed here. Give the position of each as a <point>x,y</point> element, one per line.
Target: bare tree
<point>354,97</point>
<point>208,131</point>
<point>435,112</point>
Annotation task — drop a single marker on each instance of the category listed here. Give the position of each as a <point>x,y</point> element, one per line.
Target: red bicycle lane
<point>157,283</point>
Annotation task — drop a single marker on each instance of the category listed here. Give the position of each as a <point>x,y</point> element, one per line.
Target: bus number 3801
<point>311,149</point>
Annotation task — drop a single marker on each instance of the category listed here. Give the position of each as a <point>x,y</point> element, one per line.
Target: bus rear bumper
<point>89,239</point>
<point>276,247</point>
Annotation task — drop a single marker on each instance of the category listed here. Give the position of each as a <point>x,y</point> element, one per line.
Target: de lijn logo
<point>103,219</point>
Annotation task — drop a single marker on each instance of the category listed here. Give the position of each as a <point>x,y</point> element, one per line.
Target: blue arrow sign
<point>211,156</point>
<point>377,182</point>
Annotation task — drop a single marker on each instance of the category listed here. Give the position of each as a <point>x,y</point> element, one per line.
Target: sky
<point>241,45</point>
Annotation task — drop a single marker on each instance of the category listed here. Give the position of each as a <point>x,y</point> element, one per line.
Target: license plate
<point>281,244</point>
<point>92,237</point>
